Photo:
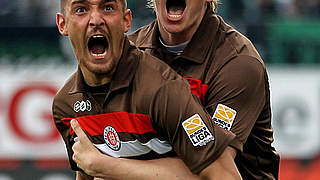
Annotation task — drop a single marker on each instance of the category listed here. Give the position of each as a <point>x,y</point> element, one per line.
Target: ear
<point>127,20</point>
<point>61,24</point>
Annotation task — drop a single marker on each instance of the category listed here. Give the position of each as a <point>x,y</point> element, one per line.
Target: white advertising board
<point>27,130</point>
<point>295,94</point>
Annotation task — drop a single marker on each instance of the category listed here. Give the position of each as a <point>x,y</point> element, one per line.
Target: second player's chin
<point>99,69</point>
<point>174,29</point>
<point>98,63</point>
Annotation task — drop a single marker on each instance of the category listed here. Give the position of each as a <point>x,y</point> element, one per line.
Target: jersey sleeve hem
<point>198,169</point>
<point>237,144</point>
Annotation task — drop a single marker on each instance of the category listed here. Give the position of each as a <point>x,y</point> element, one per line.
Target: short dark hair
<point>63,5</point>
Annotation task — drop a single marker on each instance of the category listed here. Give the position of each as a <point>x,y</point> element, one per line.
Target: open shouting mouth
<point>175,9</point>
<point>98,45</point>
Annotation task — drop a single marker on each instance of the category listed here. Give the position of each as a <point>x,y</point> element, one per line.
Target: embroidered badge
<point>197,131</point>
<point>111,138</point>
<point>224,116</point>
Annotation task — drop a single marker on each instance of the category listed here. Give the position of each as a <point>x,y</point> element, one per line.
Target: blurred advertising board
<point>295,93</point>
<point>31,148</point>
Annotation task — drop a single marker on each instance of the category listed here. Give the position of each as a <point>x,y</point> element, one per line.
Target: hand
<point>84,153</point>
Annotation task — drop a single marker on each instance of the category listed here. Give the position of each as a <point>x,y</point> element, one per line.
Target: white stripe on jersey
<point>136,148</point>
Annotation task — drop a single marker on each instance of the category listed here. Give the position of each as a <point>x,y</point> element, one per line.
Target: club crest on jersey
<point>224,116</point>
<point>82,106</point>
<point>197,131</point>
<point>111,138</point>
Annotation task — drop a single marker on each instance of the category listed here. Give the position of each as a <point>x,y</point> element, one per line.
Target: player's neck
<point>173,39</point>
<point>95,79</point>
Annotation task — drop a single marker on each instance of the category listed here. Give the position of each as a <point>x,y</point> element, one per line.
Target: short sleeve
<point>179,116</point>
<point>239,89</point>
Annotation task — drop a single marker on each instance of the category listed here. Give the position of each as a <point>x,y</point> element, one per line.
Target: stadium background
<point>35,61</point>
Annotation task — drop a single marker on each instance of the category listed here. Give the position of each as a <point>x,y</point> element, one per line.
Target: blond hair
<point>213,4</point>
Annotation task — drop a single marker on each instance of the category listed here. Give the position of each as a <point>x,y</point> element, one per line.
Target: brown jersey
<point>226,72</point>
<point>146,112</point>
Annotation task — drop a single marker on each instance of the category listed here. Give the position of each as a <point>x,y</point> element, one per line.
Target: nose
<point>96,19</point>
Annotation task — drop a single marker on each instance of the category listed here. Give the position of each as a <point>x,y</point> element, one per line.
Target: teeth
<point>174,15</point>
<point>99,55</point>
<point>97,36</point>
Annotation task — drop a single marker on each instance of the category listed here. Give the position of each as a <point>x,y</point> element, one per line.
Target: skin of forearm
<point>158,169</point>
<point>106,167</point>
<point>82,176</point>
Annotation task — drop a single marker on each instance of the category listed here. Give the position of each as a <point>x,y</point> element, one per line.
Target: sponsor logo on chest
<point>197,131</point>
<point>224,116</point>
<point>82,106</point>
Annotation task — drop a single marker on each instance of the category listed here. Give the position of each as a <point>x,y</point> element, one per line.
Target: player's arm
<point>197,140</point>
<point>64,130</point>
<point>245,96</point>
<point>99,165</point>
<point>223,168</point>
<point>83,176</point>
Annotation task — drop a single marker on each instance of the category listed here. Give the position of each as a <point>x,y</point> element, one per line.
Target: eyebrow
<point>80,2</point>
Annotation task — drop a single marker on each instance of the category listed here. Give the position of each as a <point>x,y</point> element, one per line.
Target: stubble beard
<point>101,70</point>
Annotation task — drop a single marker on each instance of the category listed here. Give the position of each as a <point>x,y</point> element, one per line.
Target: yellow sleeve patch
<point>224,116</point>
<point>197,131</point>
